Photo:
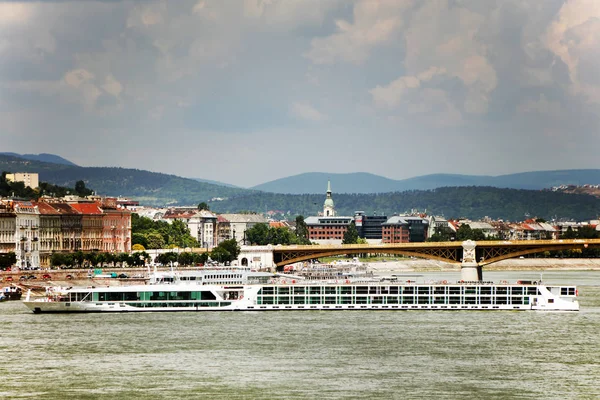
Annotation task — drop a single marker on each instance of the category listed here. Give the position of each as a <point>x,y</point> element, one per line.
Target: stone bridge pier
<point>470,270</point>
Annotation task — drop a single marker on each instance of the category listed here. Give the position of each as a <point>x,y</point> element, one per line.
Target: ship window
<point>454,290</point>
<point>550,300</point>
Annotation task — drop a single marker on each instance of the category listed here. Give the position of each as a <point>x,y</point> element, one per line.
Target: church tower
<point>328,207</point>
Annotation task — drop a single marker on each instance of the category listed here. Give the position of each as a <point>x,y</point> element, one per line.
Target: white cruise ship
<point>244,290</point>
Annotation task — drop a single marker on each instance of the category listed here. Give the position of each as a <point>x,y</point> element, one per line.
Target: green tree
<point>203,206</point>
<point>220,254</point>
<point>232,247</point>
<point>569,234</point>
<point>301,230</point>
<point>258,234</point>
<point>155,240</point>
<point>81,190</point>
<point>587,232</point>
<point>442,234</point>
<point>464,232</point>
<point>351,234</point>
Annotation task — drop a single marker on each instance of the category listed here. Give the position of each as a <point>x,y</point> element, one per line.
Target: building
<point>19,226</point>
<point>328,206</point>
<point>29,179</point>
<point>369,227</point>
<point>203,227</point>
<point>237,225</point>
<point>405,229</point>
<point>327,228</point>
<point>91,225</point>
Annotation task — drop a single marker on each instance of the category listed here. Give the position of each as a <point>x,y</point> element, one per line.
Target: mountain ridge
<point>361,182</point>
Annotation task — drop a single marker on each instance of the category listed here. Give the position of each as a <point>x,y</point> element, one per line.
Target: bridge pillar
<point>469,268</point>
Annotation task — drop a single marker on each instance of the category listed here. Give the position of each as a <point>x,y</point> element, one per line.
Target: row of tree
<point>152,234</point>
<point>263,234</point>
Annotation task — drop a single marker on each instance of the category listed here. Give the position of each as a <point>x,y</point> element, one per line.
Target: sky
<point>245,92</point>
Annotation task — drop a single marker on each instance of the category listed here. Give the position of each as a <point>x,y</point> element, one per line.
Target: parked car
<point>46,277</point>
<point>32,277</point>
<point>23,278</point>
<point>123,276</point>
<point>9,279</point>
<point>69,276</point>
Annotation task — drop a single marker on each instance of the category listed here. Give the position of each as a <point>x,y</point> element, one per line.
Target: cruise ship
<point>245,290</point>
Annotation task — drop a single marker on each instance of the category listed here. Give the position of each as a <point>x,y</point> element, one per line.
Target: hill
<point>44,157</point>
<point>360,182</point>
<point>468,200</point>
<point>452,202</point>
<point>148,188</point>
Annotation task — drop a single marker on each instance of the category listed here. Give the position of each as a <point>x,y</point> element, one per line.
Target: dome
<point>328,203</point>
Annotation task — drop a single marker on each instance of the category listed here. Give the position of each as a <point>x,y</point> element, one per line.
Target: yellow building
<point>29,179</point>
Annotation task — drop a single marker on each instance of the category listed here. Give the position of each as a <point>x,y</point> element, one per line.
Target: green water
<point>308,354</point>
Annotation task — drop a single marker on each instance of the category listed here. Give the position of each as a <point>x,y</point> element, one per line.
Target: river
<point>308,354</point>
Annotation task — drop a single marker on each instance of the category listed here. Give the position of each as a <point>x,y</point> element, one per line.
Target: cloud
<point>574,36</point>
<point>307,112</point>
<point>375,23</point>
<point>460,74</point>
<point>541,106</point>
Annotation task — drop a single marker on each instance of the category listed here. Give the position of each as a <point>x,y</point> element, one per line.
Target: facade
<point>29,179</point>
<point>327,228</point>
<point>116,227</point>
<point>50,235</point>
<point>91,225</point>
<point>369,226</point>
<point>238,224</point>
<point>203,227</point>
<point>405,229</point>
<point>36,230</point>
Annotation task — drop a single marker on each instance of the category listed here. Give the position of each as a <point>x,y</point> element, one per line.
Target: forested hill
<point>451,202</point>
<point>360,182</point>
<point>148,188</point>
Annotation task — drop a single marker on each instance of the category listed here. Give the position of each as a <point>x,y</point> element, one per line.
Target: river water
<point>308,354</point>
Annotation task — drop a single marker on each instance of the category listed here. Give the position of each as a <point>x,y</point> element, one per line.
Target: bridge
<point>472,256</point>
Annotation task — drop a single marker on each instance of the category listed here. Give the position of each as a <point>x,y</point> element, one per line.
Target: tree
<point>203,206</point>
<point>232,247</point>
<point>569,234</point>
<point>155,240</point>
<point>81,190</point>
<point>301,230</point>
<point>464,232</point>
<point>441,234</point>
<point>137,247</point>
<point>351,234</point>
<point>258,234</point>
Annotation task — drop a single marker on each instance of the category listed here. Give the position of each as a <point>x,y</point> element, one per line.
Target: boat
<point>11,293</point>
<point>246,290</point>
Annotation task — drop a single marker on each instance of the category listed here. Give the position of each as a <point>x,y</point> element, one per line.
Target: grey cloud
<point>172,79</point>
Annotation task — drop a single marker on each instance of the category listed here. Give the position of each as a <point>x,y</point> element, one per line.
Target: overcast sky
<point>245,92</point>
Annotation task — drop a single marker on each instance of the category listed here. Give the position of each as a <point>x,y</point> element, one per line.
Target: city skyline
<point>248,92</point>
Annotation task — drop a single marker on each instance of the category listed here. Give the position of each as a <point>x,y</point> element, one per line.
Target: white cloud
<point>574,36</point>
<point>15,13</point>
<point>375,23</point>
<point>307,112</point>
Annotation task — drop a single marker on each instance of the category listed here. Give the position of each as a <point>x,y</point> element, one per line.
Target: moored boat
<point>244,290</point>
<point>11,293</point>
